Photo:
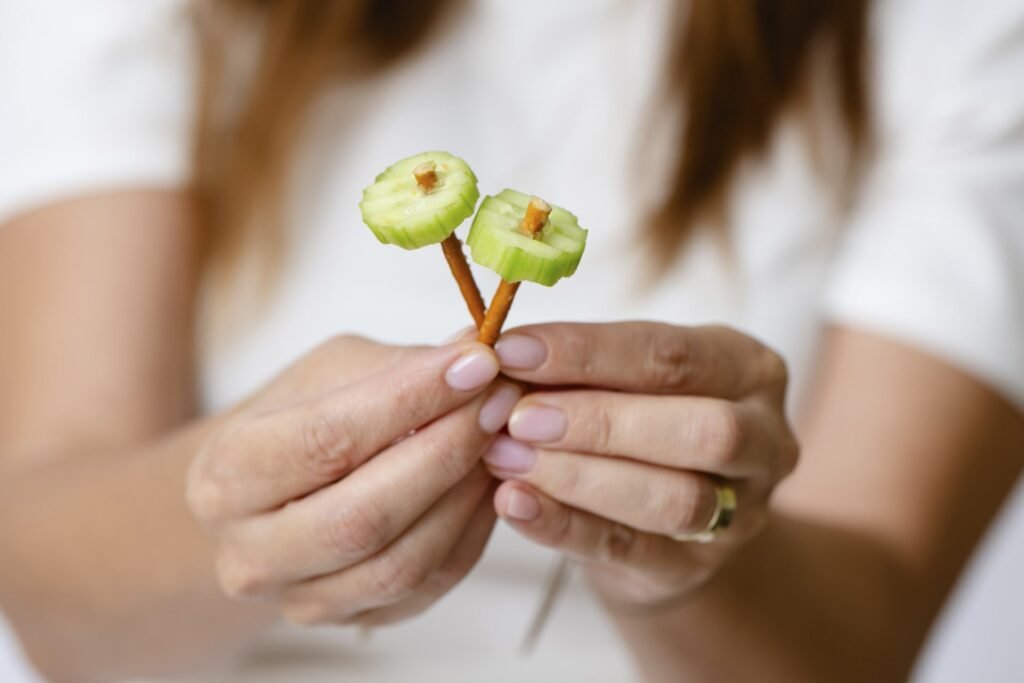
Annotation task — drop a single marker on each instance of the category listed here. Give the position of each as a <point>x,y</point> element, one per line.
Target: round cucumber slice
<point>497,241</point>
<point>420,200</point>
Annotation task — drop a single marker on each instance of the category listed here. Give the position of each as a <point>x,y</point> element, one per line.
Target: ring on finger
<point>725,510</point>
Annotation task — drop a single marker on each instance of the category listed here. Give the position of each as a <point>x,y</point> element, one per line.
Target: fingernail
<point>496,409</point>
<point>537,423</point>
<point>521,352</point>
<point>522,506</point>
<point>510,455</point>
<point>472,371</point>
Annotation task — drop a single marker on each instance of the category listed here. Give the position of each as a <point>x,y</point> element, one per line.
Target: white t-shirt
<point>98,95</point>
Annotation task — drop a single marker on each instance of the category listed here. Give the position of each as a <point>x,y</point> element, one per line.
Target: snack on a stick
<point>522,238</point>
<point>422,200</point>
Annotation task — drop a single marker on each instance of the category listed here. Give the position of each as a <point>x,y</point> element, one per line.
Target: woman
<point>161,511</point>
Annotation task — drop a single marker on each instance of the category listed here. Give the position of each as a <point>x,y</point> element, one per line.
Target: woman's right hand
<point>355,501</point>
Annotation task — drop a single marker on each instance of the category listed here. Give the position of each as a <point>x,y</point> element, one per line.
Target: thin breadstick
<point>459,266</point>
<point>426,178</point>
<point>537,212</point>
<point>426,175</point>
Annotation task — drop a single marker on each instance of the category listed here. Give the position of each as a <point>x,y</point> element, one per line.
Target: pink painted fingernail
<point>521,352</point>
<point>472,371</point>
<point>522,506</point>
<point>496,409</point>
<point>537,423</point>
<point>510,455</point>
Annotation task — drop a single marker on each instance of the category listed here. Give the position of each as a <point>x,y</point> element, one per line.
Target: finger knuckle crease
<point>206,494</point>
<point>723,434</point>
<point>570,478</point>
<point>451,573</point>
<point>616,543</point>
<point>603,428</point>
<point>355,530</point>
<point>574,349</point>
<point>329,445</point>
<point>562,530</point>
<point>206,499</point>
<point>448,455</point>
<point>397,578</point>
<point>668,363</point>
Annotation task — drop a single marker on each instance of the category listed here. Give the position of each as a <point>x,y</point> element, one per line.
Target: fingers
<point>259,463</point>
<point>665,565</point>
<point>648,498</point>
<point>416,569</point>
<point>353,519</point>
<point>641,357</point>
<point>333,364</point>
<point>710,435</point>
<point>465,555</point>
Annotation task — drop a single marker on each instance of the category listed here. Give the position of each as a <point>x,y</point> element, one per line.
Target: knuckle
<point>453,571</point>
<point>679,509</point>
<point>399,354</point>
<point>573,349</point>
<point>668,361</point>
<point>568,477</point>
<point>396,578</point>
<point>561,529</point>
<point>207,489</point>
<point>789,454</point>
<point>775,370</point>
<point>448,454</point>
<point>241,578</point>
<point>328,445</point>
<point>616,544</point>
<point>602,427</point>
<point>206,498</point>
<point>354,530</point>
<point>753,522</point>
<point>722,433</point>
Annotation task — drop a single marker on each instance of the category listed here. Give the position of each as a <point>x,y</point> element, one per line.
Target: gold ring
<point>725,510</point>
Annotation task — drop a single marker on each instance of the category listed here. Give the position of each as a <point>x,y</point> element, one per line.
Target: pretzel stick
<point>426,178</point>
<point>426,175</point>
<point>537,212</point>
<point>453,253</point>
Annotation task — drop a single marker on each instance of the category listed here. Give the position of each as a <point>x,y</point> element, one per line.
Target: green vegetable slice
<point>405,210</point>
<point>497,241</point>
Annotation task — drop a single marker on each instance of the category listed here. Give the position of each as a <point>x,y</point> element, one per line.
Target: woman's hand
<point>348,500</point>
<point>611,471</point>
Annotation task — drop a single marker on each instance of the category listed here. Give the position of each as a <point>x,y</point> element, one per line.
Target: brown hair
<point>250,118</point>
<point>740,67</point>
<point>743,64</point>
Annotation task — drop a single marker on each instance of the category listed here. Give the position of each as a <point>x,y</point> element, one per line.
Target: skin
<point>140,537</point>
<point>173,561</point>
<point>841,577</point>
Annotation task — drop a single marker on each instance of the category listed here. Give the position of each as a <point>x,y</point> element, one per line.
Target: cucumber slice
<point>496,241</point>
<point>405,210</point>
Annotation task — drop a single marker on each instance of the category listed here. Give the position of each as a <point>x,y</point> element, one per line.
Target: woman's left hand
<point>614,469</point>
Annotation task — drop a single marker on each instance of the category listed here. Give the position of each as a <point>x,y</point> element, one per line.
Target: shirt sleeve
<point>933,255</point>
<point>93,96</point>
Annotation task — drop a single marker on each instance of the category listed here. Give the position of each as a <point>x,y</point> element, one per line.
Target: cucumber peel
<point>420,200</point>
<point>497,241</point>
